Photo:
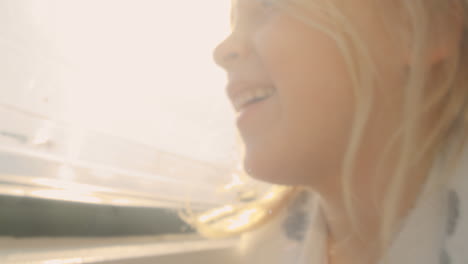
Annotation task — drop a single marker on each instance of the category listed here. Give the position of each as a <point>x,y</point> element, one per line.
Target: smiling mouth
<point>252,96</point>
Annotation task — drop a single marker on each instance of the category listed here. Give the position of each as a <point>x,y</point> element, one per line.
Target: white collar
<point>436,230</point>
<point>278,242</point>
<point>422,239</point>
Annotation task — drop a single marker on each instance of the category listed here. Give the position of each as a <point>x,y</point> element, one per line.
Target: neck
<point>363,247</point>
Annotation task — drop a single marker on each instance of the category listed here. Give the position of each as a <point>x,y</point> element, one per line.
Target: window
<point>113,118</point>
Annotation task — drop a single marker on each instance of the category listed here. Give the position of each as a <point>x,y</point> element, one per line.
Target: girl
<point>358,110</point>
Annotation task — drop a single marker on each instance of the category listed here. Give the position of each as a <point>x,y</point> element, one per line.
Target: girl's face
<point>299,133</point>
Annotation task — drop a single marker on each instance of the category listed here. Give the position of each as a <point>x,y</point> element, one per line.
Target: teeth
<point>250,95</point>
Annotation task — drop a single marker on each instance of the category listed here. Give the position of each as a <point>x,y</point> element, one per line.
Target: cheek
<point>306,65</point>
<point>314,101</point>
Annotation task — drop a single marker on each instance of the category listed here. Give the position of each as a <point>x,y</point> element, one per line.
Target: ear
<point>447,33</point>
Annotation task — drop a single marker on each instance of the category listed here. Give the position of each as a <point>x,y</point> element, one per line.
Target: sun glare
<point>144,70</point>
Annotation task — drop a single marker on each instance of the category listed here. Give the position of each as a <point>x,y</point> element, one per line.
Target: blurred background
<point>140,70</point>
<point>114,117</point>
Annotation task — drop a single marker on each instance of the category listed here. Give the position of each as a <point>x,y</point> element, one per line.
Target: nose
<point>230,51</point>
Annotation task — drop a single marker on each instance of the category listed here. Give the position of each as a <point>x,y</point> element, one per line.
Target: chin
<point>267,169</point>
<point>288,170</point>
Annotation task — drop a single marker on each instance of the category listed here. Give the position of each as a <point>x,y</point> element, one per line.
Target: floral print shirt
<point>434,232</point>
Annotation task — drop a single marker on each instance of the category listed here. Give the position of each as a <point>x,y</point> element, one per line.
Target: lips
<point>243,93</point>
<point>253,115</point>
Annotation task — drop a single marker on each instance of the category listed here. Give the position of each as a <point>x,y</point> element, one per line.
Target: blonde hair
<point>449,100</point>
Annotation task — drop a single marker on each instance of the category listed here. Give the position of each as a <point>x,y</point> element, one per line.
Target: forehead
<point>239,7</point>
